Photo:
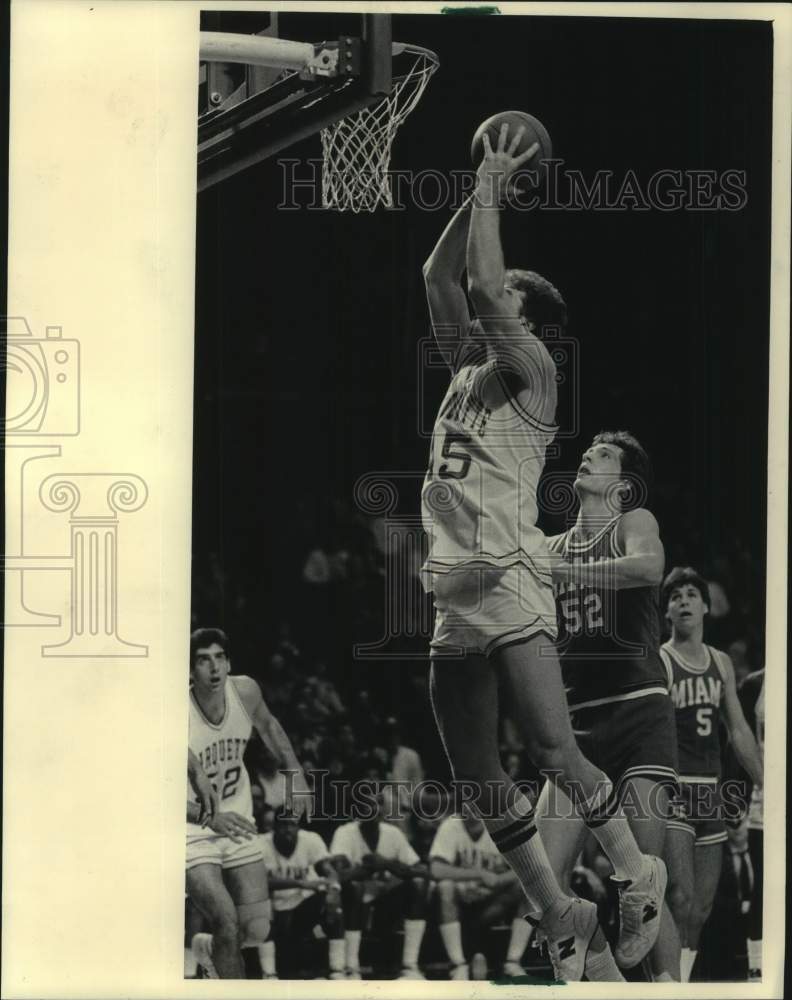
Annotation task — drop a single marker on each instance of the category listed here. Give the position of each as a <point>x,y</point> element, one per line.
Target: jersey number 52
<point>577,617</point>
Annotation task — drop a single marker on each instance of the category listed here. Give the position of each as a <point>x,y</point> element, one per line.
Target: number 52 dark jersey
<point>608,639</point>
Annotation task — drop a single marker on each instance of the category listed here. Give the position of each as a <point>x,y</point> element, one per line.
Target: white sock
<point>755,955</point>
<point>517,839</point>
<point>686,962</point>
<point>413,935</point>
<point>266,954</point>
<point>601,967</point>
<point>336,954</point>
<point>610,827</point>
<point>521,932</point>
<point>452,939</point>
<point>352,943</point>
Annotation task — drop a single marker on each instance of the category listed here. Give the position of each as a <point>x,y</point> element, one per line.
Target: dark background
<point>307,321</point>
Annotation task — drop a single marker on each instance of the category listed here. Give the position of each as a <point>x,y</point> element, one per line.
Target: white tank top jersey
<point>220,749</point>
<point>479,496</point>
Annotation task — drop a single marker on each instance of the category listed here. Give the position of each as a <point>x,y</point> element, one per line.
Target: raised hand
<point>498,165</point>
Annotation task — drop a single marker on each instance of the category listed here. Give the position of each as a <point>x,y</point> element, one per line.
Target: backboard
<point>261,89</point>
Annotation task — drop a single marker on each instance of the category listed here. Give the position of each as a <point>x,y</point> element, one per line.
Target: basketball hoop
<point>357,149</point>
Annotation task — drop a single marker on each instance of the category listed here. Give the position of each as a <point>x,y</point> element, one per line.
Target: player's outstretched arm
<point>442,272</point>
<point>746,749</point>
<point>640,566</point>
<point>494,304</point>
<point>273,735</point>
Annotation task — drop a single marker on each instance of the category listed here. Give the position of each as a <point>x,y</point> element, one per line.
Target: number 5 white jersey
<point>478,500</point>
<point>220,749</point>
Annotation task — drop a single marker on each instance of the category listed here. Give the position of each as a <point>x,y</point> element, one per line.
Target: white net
<point>357,149</point>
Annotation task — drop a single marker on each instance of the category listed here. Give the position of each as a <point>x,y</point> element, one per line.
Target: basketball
<point>534,132</point>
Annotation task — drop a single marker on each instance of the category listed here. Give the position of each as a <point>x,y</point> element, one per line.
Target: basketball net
<point>357,149</point>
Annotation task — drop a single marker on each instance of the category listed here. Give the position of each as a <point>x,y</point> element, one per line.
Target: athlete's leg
<point>536,690</point>
<point>646,805</point>
<point>352,904</point>
<point>756,852</point>
<point>519,936</point>
<point>564,833</point>
<point>707,859</point>
<point>207,890</point>
<point>465,702</point>
<point>333,926</point>
<point>533,677</point>
<point>448,920</point>
<point>678,853</point>
<point>249,888</point>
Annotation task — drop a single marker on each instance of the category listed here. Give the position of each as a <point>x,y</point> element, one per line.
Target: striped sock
<point>604,817</point>
<point>515,836</point>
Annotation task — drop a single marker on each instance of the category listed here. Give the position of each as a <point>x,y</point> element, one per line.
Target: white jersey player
<point>226,874</point>
<point>488,567</point>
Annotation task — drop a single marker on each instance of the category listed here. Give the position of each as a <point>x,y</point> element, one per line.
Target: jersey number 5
<point>704,720</point>
<point>459,472</point>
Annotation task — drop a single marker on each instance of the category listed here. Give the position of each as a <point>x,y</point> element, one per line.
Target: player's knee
<point>254,922</point>
<point>552,752</point>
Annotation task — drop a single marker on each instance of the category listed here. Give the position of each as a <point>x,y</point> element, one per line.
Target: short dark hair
<point>543,302</point>
<point>202,638</point>
<point>635,464</point>
<point>678,577</point>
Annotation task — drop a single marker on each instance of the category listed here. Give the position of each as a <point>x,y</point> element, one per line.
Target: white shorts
<point>480,609</point>
<point>212,849</point>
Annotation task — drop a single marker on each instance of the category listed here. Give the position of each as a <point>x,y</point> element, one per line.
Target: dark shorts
<point>300,920</point>
<point>630,739</point>
<point>698,810</point>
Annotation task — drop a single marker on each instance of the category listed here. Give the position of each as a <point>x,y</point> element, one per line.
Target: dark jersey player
<point>703,689</point>
<point>606,572</point>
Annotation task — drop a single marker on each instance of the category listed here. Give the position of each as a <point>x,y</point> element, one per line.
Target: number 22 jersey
<point>608,639</point>
<point>220,748</point>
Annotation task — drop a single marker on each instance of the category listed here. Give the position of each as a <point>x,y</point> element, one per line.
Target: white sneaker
<point>511,970</point>
<point>568,927</point>
<point>411,972</point>
<point>461,971</point>
<point>336,974</point>
<point>202,949</point>
<point>353,974</point>
<point>478,967</point>
<point>640,910</point>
